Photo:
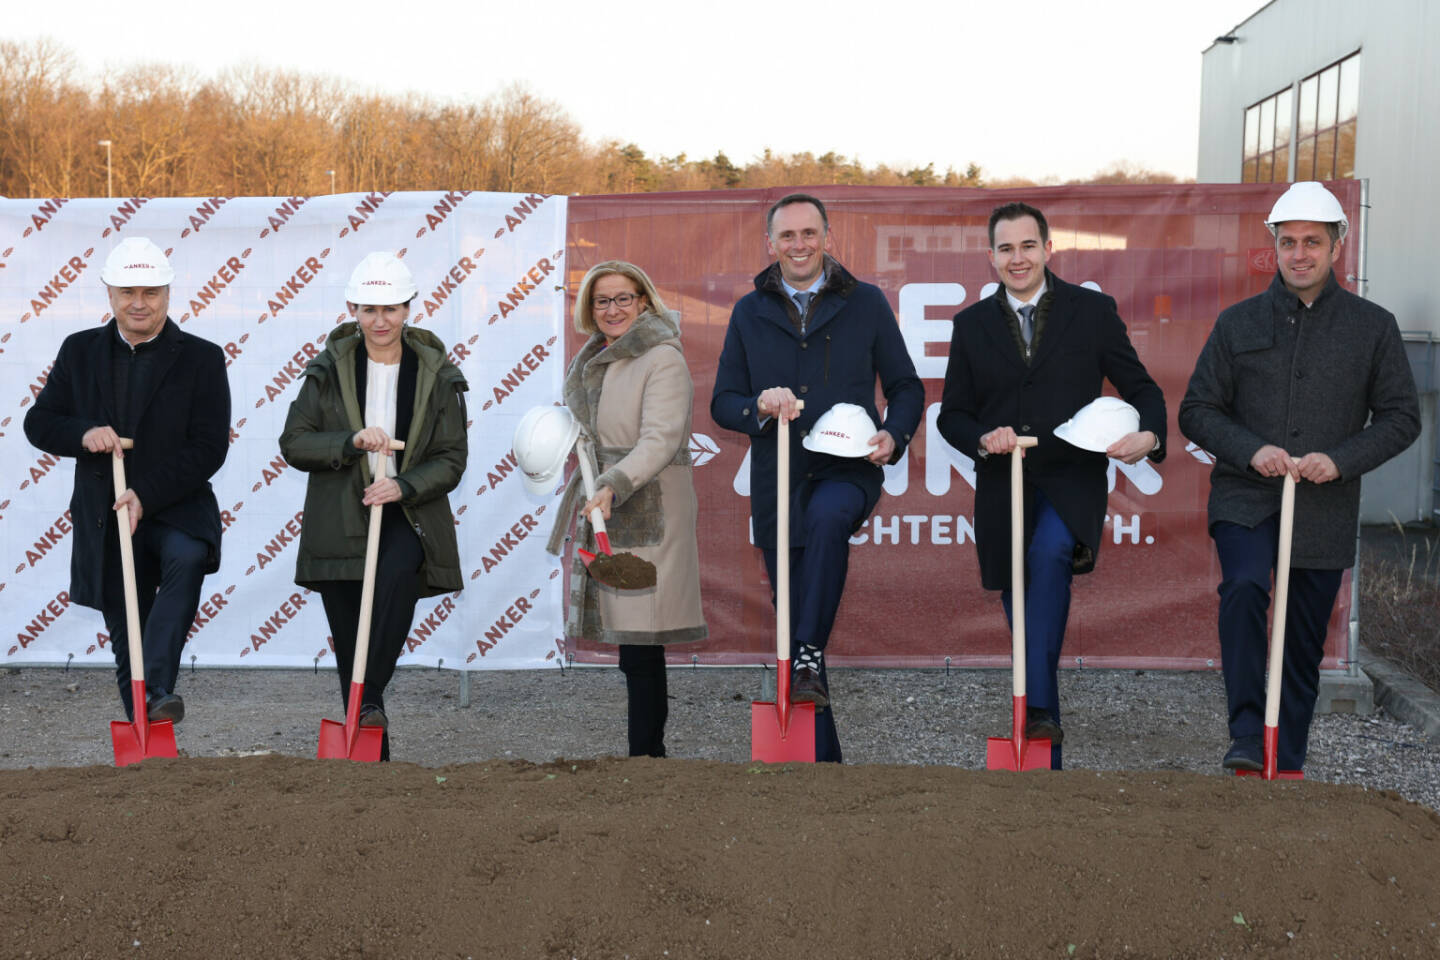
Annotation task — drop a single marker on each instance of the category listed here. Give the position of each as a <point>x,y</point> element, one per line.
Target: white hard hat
<point>842,431</point>
<point>542,442</point>
<point>381,279</point>
<point>1099,423</point>
<point>137,262</point>
<point>1307,200</point>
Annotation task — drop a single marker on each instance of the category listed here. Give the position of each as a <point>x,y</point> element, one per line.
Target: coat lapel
<point>997,327</point>
<point>101,358</point>
<point>1057,318</point>
<point>168,351</point>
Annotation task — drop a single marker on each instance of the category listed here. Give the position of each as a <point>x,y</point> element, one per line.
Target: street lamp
<point>106,145</point>
<point>332,181</point>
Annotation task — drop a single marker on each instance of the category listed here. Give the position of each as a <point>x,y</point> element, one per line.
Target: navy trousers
<point>1048,572</point>
<point>397,588</point>
<point>817,583</point>
<point>169,569</point>
<point>1247,561</point>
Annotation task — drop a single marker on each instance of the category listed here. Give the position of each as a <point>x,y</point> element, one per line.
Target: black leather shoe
<point>1245,753</point>
<point>1039,725</point>
<point>373,716</point>
<point>167,706</point>
<point>807,688</point>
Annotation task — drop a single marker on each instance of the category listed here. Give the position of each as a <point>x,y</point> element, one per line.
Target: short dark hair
<point>790,198</point>
<point>1016,211</point>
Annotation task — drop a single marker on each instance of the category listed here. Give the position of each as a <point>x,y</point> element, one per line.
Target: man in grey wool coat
<point>1306,379</point>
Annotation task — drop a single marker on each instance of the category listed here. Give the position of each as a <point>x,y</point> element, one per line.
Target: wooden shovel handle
<point>1017,565</point>
<point>587,476</point>
<point>367,587</point>
<point>1282,601</point>
<point>782,535</point>
<point>127,569</point>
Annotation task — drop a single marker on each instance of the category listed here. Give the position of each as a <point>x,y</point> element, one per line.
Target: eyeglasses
<point>622,301</point>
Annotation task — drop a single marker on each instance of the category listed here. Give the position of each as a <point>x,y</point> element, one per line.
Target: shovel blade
<point>1270,768</point>
<point>1005,753</point>
<point>769,745</point>
<point>159,741</point>
<point>335,745</point>
<point>1277,775</point>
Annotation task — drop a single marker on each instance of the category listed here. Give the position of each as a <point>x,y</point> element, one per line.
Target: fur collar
<point>587,371</point>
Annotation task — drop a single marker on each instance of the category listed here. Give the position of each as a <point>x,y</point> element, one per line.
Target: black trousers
<point>169,569</point>
<point>397,588</point>
<point>645,687</point>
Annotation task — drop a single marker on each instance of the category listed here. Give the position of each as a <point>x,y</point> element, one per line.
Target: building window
<point>1329,103</point>
<point>1324,128</point>
<point>1267,139</point>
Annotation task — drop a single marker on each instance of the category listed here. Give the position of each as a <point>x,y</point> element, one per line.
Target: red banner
<point>1171,256</point>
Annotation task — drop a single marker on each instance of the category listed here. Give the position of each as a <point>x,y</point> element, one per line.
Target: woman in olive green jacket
<point>378,378</point>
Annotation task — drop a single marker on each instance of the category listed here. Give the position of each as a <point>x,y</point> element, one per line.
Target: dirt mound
<point>272,856</point>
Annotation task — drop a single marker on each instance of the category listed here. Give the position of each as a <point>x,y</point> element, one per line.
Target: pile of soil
<point>276,856</point>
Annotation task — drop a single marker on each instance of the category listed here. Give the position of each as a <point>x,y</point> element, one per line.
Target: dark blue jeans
<point>817,583</point>
<point>1247,562</point>
<point>169,569</point>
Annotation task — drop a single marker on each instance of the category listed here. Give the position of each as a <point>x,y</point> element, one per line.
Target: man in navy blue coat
<point>810,331</point>
<point>140,376</point>
<point>1022,362</point>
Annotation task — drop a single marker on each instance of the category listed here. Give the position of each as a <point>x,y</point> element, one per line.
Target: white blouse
<point>381,383</point>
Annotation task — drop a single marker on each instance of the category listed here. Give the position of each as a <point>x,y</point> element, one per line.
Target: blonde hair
<point>584,321</point>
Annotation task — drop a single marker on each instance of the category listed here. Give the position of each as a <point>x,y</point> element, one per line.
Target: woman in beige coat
<point>630,390</point>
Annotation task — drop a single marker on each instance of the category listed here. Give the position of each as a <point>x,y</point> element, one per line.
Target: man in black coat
<point>1306,379</point>
<point>140,377</point>
<point>811,331</point>
<point>1022,362</point>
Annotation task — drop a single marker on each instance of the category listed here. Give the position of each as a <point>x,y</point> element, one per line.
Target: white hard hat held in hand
<point>542,442</point>
<point>380,280</point>
<point>1099,424</point>
<point>137,262</point>
<point>1307,200</point>
<point>842,431</point>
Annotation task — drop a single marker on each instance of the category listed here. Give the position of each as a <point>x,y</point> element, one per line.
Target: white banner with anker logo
<point>264,278</point>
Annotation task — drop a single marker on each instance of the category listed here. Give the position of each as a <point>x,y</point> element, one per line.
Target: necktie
<point>1027,331</point>
<point>802,300</point>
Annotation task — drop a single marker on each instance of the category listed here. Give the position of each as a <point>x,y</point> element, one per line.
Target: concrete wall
<point>1397,149</point>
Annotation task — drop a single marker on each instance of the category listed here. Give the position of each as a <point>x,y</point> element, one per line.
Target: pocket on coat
<point>639,521</point>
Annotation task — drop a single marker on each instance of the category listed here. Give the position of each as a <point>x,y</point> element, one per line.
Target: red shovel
<point>1277,643</point>
<point>134,741</point>
<point>599,567</point>
<point>1015,752</point>
<point>349,740</point>
<point>782,732</point>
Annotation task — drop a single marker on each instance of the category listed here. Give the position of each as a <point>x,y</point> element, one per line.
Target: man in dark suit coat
<point>140,376</point>
<point>1006,378</point>
<point>809,330</point>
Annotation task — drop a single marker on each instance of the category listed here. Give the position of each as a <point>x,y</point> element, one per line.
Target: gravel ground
<point>1114,719</point>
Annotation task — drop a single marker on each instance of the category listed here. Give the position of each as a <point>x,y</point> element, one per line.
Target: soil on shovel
<point>623,571</point>
<point>282,856</point>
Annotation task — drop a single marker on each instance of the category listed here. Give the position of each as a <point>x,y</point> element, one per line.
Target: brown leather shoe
<point>1039,725</point>
<point>807,688</point>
